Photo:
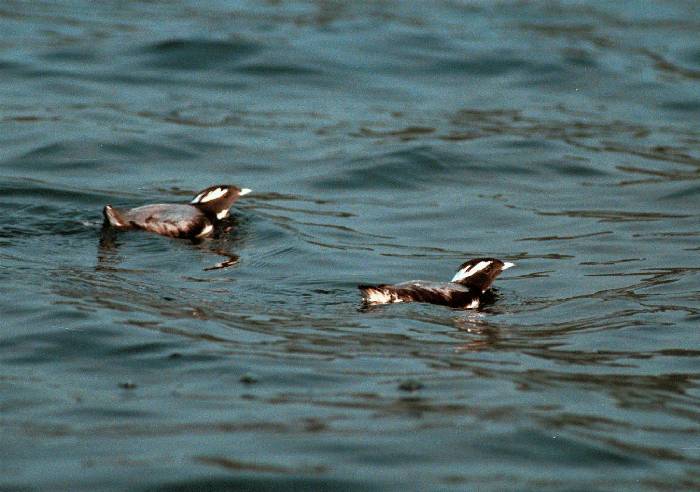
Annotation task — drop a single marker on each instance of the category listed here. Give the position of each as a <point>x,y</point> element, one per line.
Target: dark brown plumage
<point>193,220</point>
<point>465,291</point>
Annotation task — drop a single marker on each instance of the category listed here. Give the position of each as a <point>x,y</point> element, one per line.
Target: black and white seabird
<point>464,291</point>
<point>193,220</point>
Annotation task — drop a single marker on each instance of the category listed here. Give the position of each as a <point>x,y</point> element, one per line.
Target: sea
<point>384,141</point>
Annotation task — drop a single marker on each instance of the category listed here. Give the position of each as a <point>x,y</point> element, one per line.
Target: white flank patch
<point>473,305</point>
<point>507,265</point>
<point>244,191</point>
<point>469,271</point>
<point>375,296</point>
<point>222,214</point>
<point>207,229</point>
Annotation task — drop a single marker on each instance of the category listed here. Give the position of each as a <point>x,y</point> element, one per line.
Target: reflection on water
<point>385,141</point>
<point>221,239</point>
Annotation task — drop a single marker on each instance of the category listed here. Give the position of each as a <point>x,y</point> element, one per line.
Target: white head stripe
<point>213,195</point>
<point>468,271</point>
<point>507,265</point>
<point>244,191</point>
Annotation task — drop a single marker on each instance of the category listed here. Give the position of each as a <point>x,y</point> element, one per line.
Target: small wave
<point>198,54</point>
<point>408,169</point>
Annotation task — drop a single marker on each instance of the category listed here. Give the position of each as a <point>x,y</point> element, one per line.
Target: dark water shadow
<point>221,243</point>
<point>262,484</point>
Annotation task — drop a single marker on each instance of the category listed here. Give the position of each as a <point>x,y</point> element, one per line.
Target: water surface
<point>385,141</point>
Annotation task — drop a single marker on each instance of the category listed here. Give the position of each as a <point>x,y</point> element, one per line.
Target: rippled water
<point>385,141</point>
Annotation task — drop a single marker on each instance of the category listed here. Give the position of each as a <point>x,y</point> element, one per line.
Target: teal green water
<point>384,141</point>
